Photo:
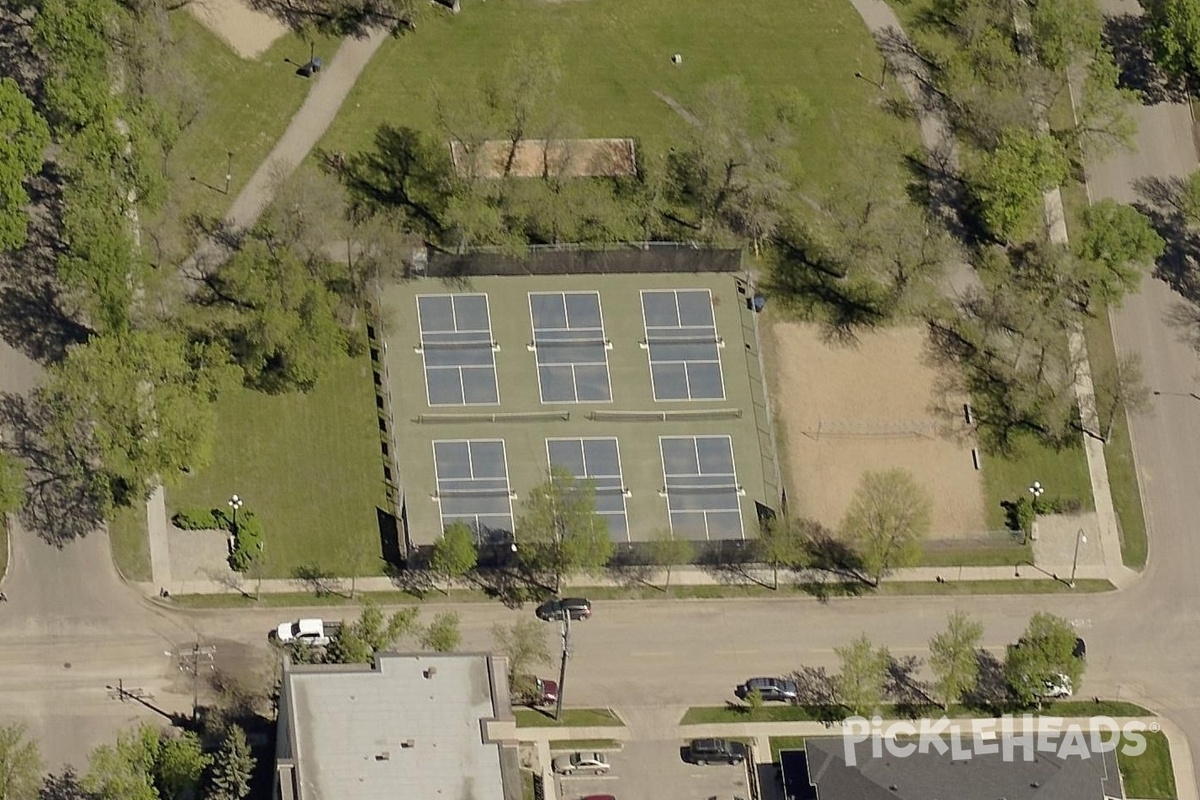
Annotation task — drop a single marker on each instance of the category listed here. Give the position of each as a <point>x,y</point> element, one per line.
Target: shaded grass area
<point>571,717</point>
<point>301,599</point>
<point>528,790</point>
<point>585,744</point>
<point>983,556</point>
<point>733,713</point>
<point>244,107</point>
<point>616,69</point>
<point>1149,775</point>
<point>307,465</point>
<point>1007,478</point>
<point>129,538</point>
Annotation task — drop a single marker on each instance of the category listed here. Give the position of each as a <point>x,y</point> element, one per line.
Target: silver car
<point>572,763</point>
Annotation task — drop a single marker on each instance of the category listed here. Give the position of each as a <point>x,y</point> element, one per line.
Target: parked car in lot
<point>574,763</point>
<point>778,690</point>
<point>713,751</point>
<point>556,610</point>
<point>310,631</point>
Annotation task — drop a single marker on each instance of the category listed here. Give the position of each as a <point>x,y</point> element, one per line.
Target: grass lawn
<point>585,744</point>
<point>572,718</point>
<point>308,465</point>
<point>244,107</point>
<point>785,743</point>
<point>1064,473</point>
<point>1149,775</point>
<point>983,556</point>
<point>1088,708</point>
<point>130,544</point>
<point>707,715</point>
<point>616,55</point>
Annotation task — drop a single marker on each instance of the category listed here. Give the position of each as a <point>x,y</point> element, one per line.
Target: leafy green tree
<point>781,543</point>
<point>863,676</point>
<point>559,532</point>
<point>953,657</point>
<point>668,551</point>
<point>1065,31</point>
<point>1103,124</point>
<point>232,768</point>
<point>277,315</point>
<point>524,644</point>
<point>1009,181</point>
<point>20,764</point>
<point>24,137</point>
<point>358,641</point>
<point>1044,653</point>
<point>126,770</point>
<point>455,553</point>
<point>1118,241</point>
<point>12,484</point>
<point>889,515</point>
<point>146,399</point>
<point>1173,27</point>
<point>443,634</point>
<point>754,701</point>
<point>178,766</point>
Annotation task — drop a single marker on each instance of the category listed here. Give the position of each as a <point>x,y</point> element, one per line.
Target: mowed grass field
<point>308,465</point>
<point>618,78</point>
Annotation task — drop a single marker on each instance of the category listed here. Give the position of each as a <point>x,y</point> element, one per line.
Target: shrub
<point>1024,513</point>
<point>201,519</point>
<point>1060,505</point>
<point>247,544</point>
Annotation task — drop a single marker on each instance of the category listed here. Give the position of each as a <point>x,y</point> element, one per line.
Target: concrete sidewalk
<point>684,576</point>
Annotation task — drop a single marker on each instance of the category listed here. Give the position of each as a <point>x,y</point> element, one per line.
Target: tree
<point>781,543</point>
<point>454,554</point>
<point>145,397</point>
<point>524,644</point>
<point>179,765</point>
<point>20,764</point>
<point>754,701</point>
<point>1066,31</point>
<point>361,554</point>
<point>276,314</point>
<point>1173,27</point>
<point>953,657</point>
<point>64,786</point>
<point>1102,121</point>
<point>1043,654</point>
<point>1120,390</point>
<point>373,631</point>
<point>861,682</point>
<point>346,17</point>
<point>889,514</point>
<point>24,137</point>
<point>12,484</point>
<point>232,768</point>
<point>1118,242</point>
<point>126,770</point>
<point>668,551</point>
<point>559,532</point>
<point>1009,181</point>
<point>443,634</point>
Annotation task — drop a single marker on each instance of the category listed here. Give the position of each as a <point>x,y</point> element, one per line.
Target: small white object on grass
<point>677,59</point>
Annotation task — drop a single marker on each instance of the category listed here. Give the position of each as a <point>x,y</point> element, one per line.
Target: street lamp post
<point>562,667</point>
<point>228,171</point>
<point>235,503</point>
<point>1079,538</point>
<point>1037,490</point>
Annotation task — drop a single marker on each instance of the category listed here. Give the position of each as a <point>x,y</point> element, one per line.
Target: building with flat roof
<point>420,726</point>
<point>822,771</point>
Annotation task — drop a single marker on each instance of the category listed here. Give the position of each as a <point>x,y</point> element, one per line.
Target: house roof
<point>936,776</point>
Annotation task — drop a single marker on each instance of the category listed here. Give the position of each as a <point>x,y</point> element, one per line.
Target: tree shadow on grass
<point>318,580</point>
<point>991,691</point>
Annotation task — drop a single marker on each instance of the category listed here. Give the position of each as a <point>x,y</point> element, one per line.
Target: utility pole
<point>190,662</point>
<point>562,667</point>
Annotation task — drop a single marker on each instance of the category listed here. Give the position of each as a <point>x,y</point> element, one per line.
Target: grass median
<point>735,714</point>
<point>1150,774</point>
<point>571,718</point>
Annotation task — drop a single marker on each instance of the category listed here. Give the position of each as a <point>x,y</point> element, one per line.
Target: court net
<point>679,415</point>
<point>502,416</point>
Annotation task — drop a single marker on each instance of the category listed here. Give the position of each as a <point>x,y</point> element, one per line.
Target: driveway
<point>655,769</point>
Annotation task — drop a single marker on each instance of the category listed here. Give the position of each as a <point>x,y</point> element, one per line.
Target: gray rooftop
<point>412,727</point>
<point>933,776</point>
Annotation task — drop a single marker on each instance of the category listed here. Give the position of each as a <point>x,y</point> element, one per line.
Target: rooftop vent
<point>408,743</point>
<point>384,756</point>
<point>429,673</point>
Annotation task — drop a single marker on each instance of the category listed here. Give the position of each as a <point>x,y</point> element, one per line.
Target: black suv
<point>778,690</point>
<point>553,610</point>
<point>707,751</point>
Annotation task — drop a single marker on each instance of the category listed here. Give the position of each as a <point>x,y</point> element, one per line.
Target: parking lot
<point>657,770</point>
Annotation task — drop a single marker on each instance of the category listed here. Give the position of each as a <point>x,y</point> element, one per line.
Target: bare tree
<point>888,516</point>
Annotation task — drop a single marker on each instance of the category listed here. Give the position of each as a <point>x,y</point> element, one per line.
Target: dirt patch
<point>250,33</point>
<point>842,410</point>
<point>572,158</point>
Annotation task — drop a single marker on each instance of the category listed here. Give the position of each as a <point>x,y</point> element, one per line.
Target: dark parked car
<point>1080,650</point>
<point>779,690</point>
<point>710,751</point>
<point>553,610</point>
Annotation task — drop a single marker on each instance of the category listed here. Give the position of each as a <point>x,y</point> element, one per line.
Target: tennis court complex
<point>645,385</point>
